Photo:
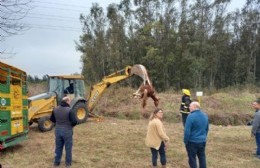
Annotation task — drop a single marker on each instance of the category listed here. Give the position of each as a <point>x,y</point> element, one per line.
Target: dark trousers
<point>63,138</point>
<point>257,140</point>
<point>184,117</point>
<point>162,155</point>
<point>194,150</point>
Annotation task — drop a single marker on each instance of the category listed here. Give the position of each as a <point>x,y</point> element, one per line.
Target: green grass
<point>116,143</point>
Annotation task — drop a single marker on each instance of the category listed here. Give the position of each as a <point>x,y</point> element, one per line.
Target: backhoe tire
<point>30,123</point>
<point>45,124</point>
<point>80,113</point>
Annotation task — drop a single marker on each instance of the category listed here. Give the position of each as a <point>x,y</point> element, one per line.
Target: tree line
<point>182,43</point>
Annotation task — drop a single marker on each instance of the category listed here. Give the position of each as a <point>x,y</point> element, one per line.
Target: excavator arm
<point>97,89</point>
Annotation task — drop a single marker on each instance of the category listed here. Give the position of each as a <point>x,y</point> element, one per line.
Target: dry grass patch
<point>117,143</point>
<point>231,107</point>
<point>37,88</point>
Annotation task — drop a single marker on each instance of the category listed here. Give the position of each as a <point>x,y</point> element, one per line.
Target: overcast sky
<point>48,47</point>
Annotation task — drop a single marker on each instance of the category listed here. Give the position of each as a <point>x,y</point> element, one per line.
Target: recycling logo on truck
<point>3,102</point>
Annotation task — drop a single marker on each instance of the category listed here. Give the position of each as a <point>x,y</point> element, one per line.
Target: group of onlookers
<point>196,127</point>
<point>195,122</point>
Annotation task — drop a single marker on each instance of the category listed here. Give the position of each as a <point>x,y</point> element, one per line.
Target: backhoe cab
<point>41,106</point>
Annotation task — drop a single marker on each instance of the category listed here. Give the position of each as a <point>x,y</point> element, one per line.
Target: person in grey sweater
<point>64,123</point>
<point>255,132</point>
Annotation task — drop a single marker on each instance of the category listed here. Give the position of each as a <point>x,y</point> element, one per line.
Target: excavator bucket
<point>141,71</point>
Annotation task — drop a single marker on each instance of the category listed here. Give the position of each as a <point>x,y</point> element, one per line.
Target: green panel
<point>5,123</point>
<point>4,88</point>
<point>24,88</point>
<point>25,120</point>
<point>7,101</point>
<point>25,102</point>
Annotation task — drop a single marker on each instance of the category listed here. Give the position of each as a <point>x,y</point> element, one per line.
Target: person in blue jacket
<point>255,132</point>
<point>195,135</point>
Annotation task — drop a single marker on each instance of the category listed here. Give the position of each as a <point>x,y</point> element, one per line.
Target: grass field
<point>116,143</point>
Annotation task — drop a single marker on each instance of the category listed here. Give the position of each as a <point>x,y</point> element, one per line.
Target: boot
<point>163,166</point>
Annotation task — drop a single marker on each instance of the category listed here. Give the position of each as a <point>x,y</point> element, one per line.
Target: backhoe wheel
<point>45,124</point>
<point>80,112</point>
<point>30,123</point>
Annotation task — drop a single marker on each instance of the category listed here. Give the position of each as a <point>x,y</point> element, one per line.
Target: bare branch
<point>11,14</point>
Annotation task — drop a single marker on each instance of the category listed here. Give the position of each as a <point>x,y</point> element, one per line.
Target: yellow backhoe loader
<point>41,106</point>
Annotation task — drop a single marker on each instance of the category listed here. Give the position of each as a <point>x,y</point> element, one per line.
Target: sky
<point>48,47</point>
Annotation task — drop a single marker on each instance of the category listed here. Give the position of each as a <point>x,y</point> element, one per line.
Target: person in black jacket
<point>64,123</point>
<point>185,104</point>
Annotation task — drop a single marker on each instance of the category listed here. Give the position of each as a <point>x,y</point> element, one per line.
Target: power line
<point>54,16</point>
<point>56,29</point>
<point>62,4</point>
<point>51,27</point>
<point>55,19</point>
<point>55,26</point>
<point>55,6</point>
<point>64,9</point>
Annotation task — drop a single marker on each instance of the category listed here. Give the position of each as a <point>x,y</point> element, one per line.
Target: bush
<point>230,119</point>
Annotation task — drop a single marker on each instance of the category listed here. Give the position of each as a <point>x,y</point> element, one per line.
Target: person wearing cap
<point>185,103</point>
<point>255,132</point>
<point>64,123</point>
<point>195,135</point>
<point>156,138</point>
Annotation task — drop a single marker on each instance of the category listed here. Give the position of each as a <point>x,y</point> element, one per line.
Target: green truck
<point>13,106</point>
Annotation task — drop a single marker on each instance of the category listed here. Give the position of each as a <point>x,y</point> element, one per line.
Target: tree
<point>93,45</point>
<point>11,14</point>
<point>116,39</point>
<point>198,45</point>
<point>219,42</point>
<point>250,35</point>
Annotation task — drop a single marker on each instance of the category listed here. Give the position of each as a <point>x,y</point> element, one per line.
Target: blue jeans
<point>196,149</point>
<point>257,140</point>
<point>63,137</point>
<point>162,155</point>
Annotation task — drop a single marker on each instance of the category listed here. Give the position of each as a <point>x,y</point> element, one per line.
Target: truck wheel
<point>80,112</point>
<point>45,124</point>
